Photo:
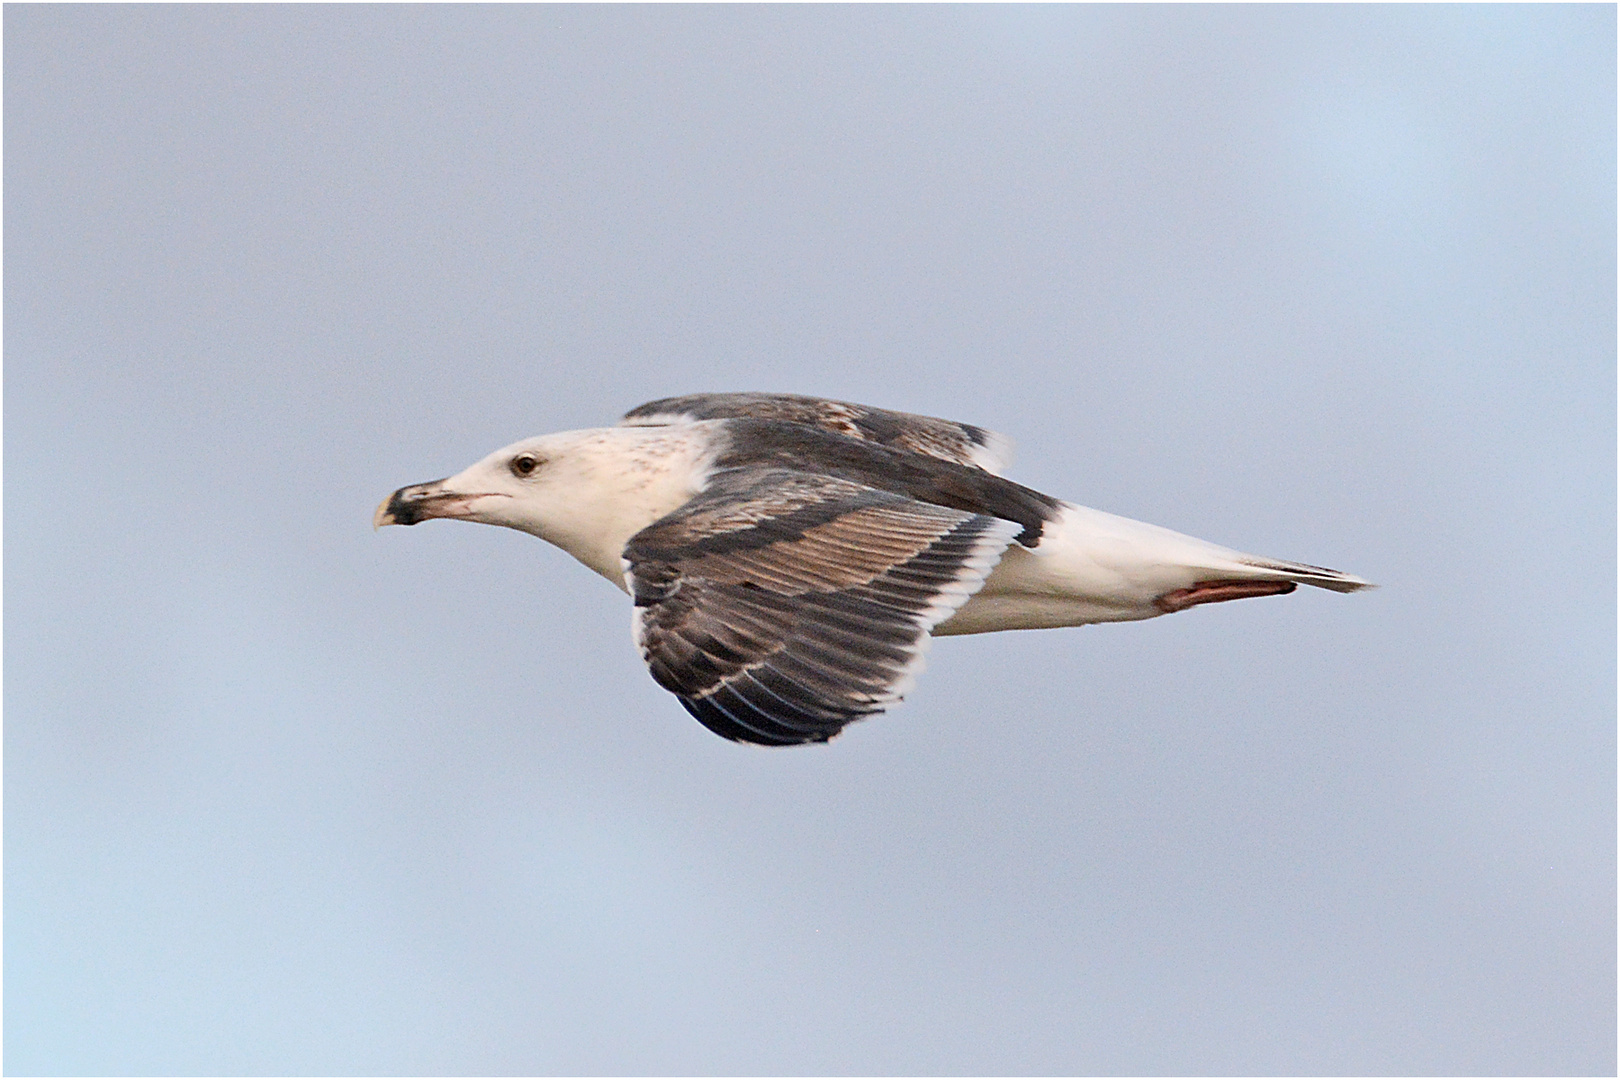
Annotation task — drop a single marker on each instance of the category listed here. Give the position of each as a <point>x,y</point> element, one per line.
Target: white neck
<point>608,484</point>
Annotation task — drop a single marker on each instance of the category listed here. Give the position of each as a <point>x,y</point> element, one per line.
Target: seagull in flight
<point>789,557</point>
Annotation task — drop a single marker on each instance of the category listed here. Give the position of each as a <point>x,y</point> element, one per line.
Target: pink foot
<point>1212,592</point>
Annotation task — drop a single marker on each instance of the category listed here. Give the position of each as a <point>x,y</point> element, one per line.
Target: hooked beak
<point>419,502</point>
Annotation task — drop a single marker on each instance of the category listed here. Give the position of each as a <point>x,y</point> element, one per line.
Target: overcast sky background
<point>285,795</point>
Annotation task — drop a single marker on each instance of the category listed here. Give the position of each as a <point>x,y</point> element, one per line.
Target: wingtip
<point>1318,577</point>
<point>1348,583</point>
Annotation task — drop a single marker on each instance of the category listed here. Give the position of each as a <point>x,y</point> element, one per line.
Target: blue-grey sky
<point>286,795</point>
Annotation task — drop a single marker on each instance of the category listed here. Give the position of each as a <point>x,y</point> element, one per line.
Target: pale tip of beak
<point>383,516</point>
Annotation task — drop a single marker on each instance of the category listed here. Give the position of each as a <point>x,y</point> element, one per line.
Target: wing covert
<point>779,606</point>
<point>947,440</point>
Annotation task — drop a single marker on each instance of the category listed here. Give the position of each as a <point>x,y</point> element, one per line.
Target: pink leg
<point>1212,592</point>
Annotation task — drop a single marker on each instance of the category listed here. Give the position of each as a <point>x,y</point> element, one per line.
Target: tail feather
<point>1304,574</point>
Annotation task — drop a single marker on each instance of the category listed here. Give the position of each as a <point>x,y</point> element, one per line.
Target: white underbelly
<point>1089,567</point>
<point>1027,592</point>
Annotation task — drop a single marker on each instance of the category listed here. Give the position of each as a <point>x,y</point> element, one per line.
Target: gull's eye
<point>524,464</point>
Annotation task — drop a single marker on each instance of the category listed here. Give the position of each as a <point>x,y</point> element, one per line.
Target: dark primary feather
<point>780,605</point>
<point>946,440</point>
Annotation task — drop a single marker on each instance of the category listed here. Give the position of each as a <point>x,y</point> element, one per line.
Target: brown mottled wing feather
<point>936,438</point>
<point>779,606</point>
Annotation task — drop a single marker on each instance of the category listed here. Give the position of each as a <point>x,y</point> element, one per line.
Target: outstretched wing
<point>781,605</point>
<point>936,438</point>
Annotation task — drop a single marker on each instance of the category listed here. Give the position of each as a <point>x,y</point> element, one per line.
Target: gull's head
<point>587,492</point>
<point>516,486</point>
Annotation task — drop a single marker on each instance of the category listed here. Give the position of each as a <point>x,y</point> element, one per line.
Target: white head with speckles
<point>587,491</point>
